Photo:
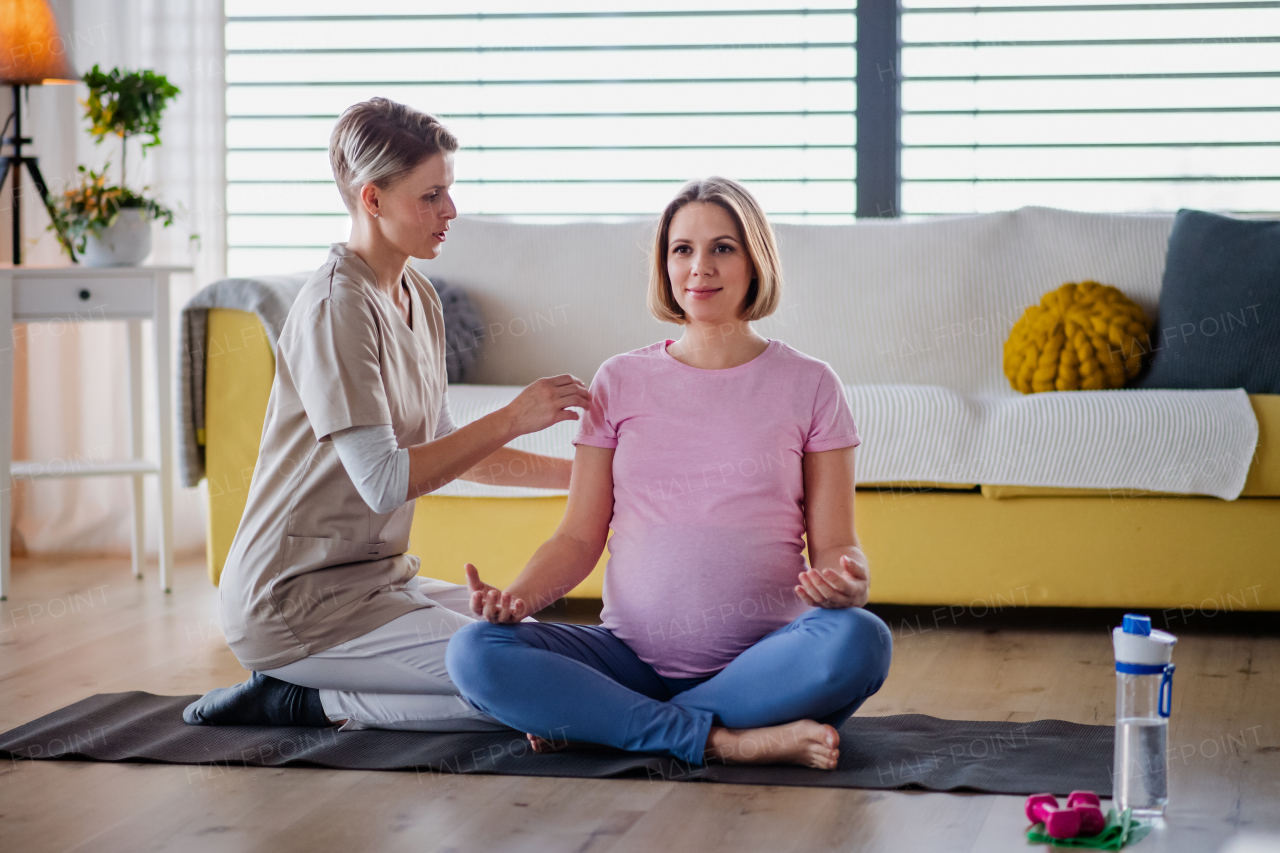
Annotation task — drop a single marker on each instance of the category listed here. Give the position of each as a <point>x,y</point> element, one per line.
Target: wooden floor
<point>72,629</point>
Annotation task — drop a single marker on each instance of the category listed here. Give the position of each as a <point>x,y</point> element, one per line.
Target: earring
<point>375,216</point>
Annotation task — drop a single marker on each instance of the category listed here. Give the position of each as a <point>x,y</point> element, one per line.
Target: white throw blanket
<point>1186,442</point>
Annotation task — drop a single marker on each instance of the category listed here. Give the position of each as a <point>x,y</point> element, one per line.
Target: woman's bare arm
<point>564,560</point>
<point>839,576</point>
<point>545,402</point>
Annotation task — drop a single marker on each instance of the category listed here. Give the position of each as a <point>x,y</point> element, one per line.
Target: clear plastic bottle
<point>1144,697</point>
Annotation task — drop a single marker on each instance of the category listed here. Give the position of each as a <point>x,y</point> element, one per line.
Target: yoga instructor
<point>318,596</point>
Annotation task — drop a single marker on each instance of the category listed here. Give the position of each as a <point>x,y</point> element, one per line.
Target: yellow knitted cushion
<point>1085,336</point>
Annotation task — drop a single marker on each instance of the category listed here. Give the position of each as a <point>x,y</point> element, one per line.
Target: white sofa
<point>1070,501</point>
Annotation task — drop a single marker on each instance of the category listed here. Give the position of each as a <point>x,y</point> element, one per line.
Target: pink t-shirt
<point>708,496</point>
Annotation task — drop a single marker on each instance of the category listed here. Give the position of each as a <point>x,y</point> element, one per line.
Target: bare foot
<point>804,742</point>
<point>543,745</point>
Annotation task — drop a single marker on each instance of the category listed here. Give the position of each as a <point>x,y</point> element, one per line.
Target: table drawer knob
<point>84,295</point>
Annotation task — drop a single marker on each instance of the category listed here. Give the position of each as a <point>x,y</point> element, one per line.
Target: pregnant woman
<point>710,458</point>
<point>319,597</point>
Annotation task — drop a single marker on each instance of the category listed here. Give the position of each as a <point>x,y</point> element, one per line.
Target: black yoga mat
<point>906,751</point>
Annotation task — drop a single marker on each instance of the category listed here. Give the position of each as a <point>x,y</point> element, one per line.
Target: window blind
<point>1091,106</point>
<point>563,111</point>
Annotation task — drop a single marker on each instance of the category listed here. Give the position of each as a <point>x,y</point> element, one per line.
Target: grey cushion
<point>1219,321</point>
<point>463,330</point>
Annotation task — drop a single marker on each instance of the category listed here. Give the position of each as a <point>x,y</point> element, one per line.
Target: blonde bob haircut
<point>379,141</point>
<point>765,291</point>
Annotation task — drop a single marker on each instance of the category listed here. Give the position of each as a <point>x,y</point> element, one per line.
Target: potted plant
<point>111,224</point>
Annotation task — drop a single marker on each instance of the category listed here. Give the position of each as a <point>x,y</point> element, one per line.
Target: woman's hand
<point>833,589</point>
<point>491,603</point>
<point>546,402</point>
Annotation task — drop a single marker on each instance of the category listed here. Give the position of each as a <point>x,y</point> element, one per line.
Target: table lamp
<point>32,53</point>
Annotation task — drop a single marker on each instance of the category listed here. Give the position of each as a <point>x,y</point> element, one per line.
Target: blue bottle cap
<point>1135,624</point>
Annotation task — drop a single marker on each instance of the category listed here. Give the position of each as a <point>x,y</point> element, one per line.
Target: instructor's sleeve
<point>334,362</point>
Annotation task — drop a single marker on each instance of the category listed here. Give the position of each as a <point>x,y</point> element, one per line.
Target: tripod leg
<point>17,176</point>
<point>34,168</point>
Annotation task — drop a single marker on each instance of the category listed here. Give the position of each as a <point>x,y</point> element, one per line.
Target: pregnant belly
<point>689,601</point>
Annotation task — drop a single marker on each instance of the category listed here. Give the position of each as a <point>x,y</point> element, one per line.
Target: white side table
<point>92,294</point>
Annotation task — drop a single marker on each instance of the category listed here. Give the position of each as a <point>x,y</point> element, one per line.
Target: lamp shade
<point>32,51</point>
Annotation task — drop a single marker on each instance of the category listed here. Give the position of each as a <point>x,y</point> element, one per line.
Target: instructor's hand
<point>546,402</point>
<point>833,589</point>
<point>492,604</point>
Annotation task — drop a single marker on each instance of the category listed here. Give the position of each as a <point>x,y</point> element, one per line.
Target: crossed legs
<point>781,699</point>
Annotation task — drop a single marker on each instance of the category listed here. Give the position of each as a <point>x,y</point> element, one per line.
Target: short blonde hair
<point>766,288</point>
<point>379,141</point>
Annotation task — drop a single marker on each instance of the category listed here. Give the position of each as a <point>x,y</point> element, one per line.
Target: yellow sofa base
<point>239,370</point>
<point>498,535</point>
<point>925,546</point>
<point>1075,552</point>
<point>959,548</point>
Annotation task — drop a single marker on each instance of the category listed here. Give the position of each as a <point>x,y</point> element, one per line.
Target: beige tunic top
<point>312,565</point>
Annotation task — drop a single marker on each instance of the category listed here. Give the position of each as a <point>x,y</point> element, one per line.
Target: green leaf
<point>126,103</point>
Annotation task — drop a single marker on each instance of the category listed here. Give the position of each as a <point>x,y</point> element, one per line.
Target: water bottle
<point>1144,696</point>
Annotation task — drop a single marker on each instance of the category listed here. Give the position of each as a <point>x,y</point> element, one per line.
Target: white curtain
<point>71,390</point>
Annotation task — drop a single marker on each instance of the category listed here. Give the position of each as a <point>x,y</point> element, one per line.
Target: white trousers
<point>394,677</point>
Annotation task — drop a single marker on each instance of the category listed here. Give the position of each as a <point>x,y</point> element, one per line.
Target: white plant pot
<point>124,244</point>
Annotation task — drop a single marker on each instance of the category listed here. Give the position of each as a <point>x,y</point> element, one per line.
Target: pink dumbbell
<point>1089,806</point>
<point>1088,798</point>
<point>1082,816</point>
<point>1058,823</point>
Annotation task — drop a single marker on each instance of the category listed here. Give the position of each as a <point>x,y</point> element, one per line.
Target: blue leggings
<point>581,683</point>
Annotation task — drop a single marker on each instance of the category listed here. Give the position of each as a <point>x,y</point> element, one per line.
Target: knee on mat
<point>862,647</point>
